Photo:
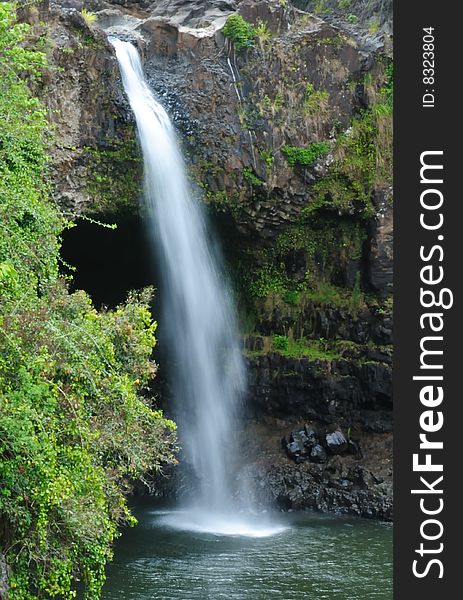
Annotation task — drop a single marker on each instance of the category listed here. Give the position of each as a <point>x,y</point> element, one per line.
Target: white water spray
<point>198,311</point>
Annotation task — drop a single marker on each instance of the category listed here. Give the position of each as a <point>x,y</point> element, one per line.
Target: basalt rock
<point>336,442</point>
<point>371,323</point>
<point>318,454</point>
<point>235,112</point>
<point>325,483</point>
<point>372,18</point>
<point>4,575</point>
<point>95,166</point>
<point>381,252</point>
<point>311,444</point>
<point>324,487</point>
<point>322,390</point>
<point>233,105</point>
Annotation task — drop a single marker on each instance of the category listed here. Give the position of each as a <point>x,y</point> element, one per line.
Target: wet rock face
<point>310,486</point>
<point>241,126</point>
<point>235,113</point>
<point>236,153</point>
<point>274,13</point>
<point>4,575</point>
<point>322,390</point>
<point>193,13</point>
<point>357,482</point>
<point>95,161</point>
<point>380,268</point>
<point>313,486</point>
<point>370,324</point>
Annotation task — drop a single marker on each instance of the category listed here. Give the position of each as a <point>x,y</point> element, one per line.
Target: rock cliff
<point>288,143</point>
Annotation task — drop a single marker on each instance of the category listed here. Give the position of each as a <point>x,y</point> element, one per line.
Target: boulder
<point>318,454</point>
<point>298,445</point>
<point>311,434</point>
<point>336,442</point>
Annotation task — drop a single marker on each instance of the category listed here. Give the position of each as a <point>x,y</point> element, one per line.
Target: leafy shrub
<point>388,88</point>
<point>305,157</point>
<point>330,295</point>
<point>240,32</point>
<point>264,280</point>
<point>291,297</point>
<point>89,17</point>
<point>312,349</point>
<point>74,427</point>
<point>280,342</point>
<point>267,156</point>
<point>252,178</point>
<point>352,19</point>
<point>362,155</point>
<point>262,33</point>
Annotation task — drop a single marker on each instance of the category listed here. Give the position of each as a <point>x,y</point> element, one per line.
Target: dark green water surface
<point>307,556</point>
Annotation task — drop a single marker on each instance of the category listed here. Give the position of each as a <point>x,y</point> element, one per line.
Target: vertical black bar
<point>427,123</point>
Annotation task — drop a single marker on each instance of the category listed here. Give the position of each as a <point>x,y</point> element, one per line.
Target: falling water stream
<point>199,316</point>
<point>210,549</point>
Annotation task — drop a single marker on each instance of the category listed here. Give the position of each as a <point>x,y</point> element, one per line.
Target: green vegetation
<point>362,156</point>
<point>373,26</point>
<point>74,428</point>
<point>263,280</point>
<point>352,19</point>
<point>291,297</point>
<point>262,34</point>
<point>309,260</point>
<point>388,87</point>
<point>115,176</point>
<point>89,17</point>
<point>252,178</point>
<point>334,42</point>
<point>320,348</point>
<point>269,108</point>
<point>315,101</point>
<point>326,294</point>
<point>267,156</point>
<point>280,342</point>
<point>324,243</point>
<point>319,6</point>
<point>313,349</point>
<point>305,157</point>
<point>241,33</point>
<point>244,35</point>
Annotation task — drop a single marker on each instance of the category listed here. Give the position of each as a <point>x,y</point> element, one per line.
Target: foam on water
<point>220,524</point>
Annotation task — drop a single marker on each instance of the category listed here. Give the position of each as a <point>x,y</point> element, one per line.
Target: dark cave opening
<point>108,262</point>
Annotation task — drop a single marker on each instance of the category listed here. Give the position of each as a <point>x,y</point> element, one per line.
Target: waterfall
<point>199,315</point>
